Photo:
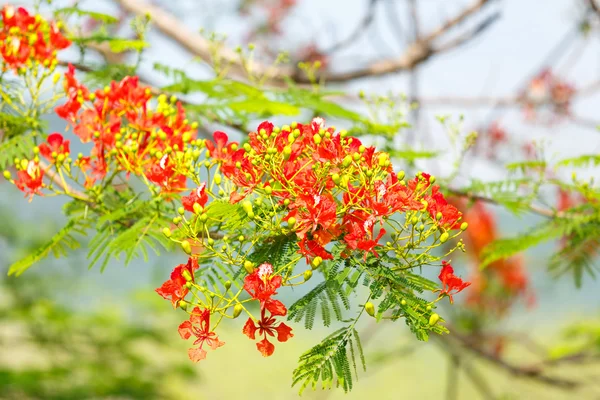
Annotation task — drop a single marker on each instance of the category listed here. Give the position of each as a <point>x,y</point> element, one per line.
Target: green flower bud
<point>464,226</point>
<point>183,305</point>
<point>317,139</point>
<point>7,175</point>
<point>401,175</point>
<point>403,302</point>
<point>433,319</point>
<point>227,285</point>
<point>241,238</point>
<point>370,308</point>
<point>432,179</point>
<point>444,237</point>
<point>237,310</point>
<point>336,178</point>
<point>217,179</point>
<point>268,190</point>
<point>439,216</point>
<point>291,221</point>
<point>186,246</point>
<point>186,275</point>
<point>203,217</point>
<point>166,232</point>
<point>210,241</point>
<point>181,210</point>
<point>347,161</point>
<point>251,215</point>
<point>197,208</point>
<point>308,274</point>
<point>247,206</point>
<point>361,149</point>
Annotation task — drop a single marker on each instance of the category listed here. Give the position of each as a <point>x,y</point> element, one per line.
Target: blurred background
<point>525,74</point>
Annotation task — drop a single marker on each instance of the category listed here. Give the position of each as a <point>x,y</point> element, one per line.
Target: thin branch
<point>196,44</point>
<point>363,25</point>
<point>533,373</point>
<point>468,36</point>
<point>533,208</point>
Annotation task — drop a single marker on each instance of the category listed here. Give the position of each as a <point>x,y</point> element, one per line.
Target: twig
<point>365,22</point>
<point>195,43</point>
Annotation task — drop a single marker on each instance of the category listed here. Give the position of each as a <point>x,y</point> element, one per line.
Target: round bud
<point>316,262</point>
<point>403,302</point>
<point>336,178</point>
<point>237,310</point>
<point>181,210</point>
<point>183,304</point>
<point>317,138</point>
<point>241,238</point>
<point>439,216</point>
<point>251,215</point>
<point>186,246</point>
<point>444,237</point>
<point>347,161</point>
<point>186,275</point>
<point>432,179</point>
<point>249,266</point>
<point>400,175</point>
<point>464,226</point>
<point>361,149</point>
<point>6,175</point>
<point>203,217</point>
<point>307,274</point>
<point>166,232</point>
<point>268,190</point>
<point>286,202</point>
<point>210,241</point>
<point>217,179</point>
<point>370,308</point>
<point>197,208</point>
<point>433,319</point>
<point>227,285</point>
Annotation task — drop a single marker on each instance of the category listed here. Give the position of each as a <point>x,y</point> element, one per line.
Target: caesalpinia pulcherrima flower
<point>27,40</point>
<point>324,194</point>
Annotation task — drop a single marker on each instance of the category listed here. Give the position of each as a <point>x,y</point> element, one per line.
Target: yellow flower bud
<point>308,274</point>
<point>186,246</point>
<point>370,308</point>
<point>249,266</point>
<point>433,319</point>
<point>237,310</point>
<point>316,262</point>
<point>166,232</point>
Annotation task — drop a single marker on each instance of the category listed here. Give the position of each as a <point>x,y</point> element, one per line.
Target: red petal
<point>185,330</point>
<point>220,139</point>
<point>265,347</point>
<point>284,332</point>
<point>250,329</point>
<point>196,354</point>
<point>55,140</point>
<point>275,307</point>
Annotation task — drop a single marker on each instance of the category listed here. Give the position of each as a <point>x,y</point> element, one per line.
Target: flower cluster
<point>127,133</point>
<point>27,40</point>
<point>501,283</point>
<point>334,195</point>
<point>547,89</point>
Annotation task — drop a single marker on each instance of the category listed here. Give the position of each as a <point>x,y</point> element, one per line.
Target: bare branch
<point>360,29</point>
<point>414,54</point>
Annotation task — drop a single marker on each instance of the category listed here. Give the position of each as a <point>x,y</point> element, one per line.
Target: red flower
<point>174,289</point>
<point>199,326</point>
<point>197,196</point>
<point>261,285</point>
<point>451,284</point>
<point>164,175</point>
<point>30,179</point>
<point>266,326</point>
<point>56,145</point>
<point>219,150</point>
<point>436,203</point>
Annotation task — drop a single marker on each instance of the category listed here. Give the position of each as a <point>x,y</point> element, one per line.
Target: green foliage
<point>331,360</point>
<point>587,160</point>
<point>17,146</point>
<point>68,11</point>
<point>58,245</point>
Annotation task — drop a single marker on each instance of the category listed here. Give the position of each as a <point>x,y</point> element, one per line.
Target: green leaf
<point>109,19</point>
<point>264,107</point>
<point>58,245</point>
<point>123,45</point>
